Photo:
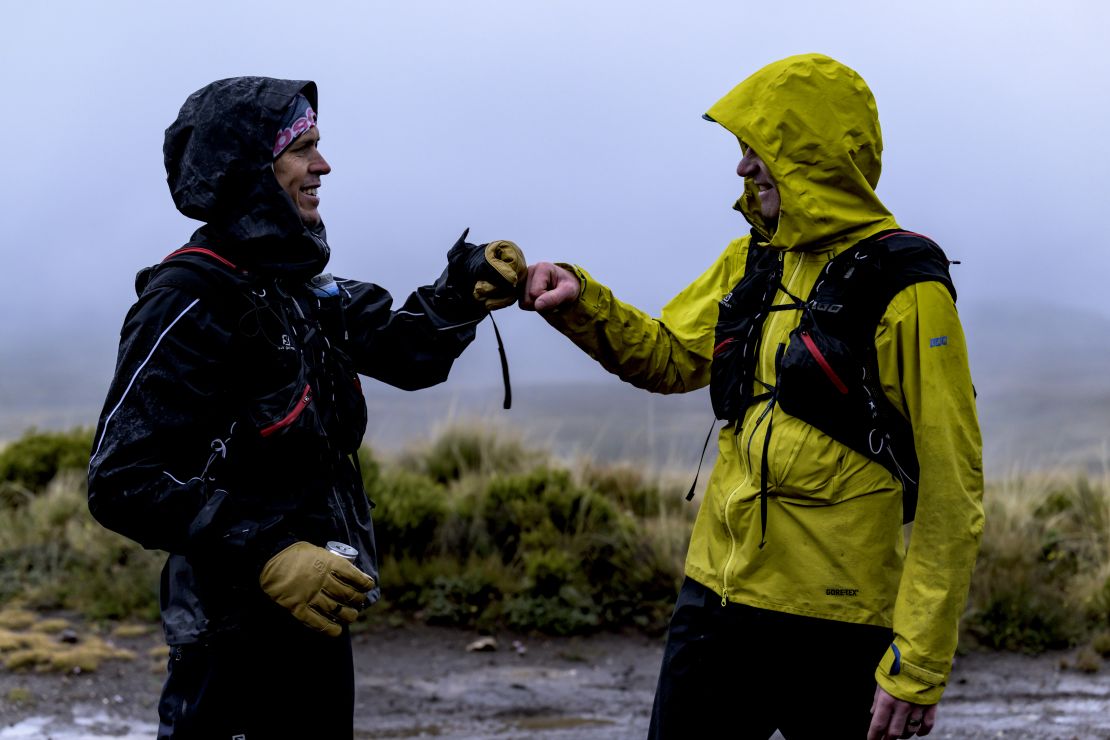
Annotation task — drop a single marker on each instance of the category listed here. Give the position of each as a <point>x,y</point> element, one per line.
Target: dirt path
<point>422,682</point>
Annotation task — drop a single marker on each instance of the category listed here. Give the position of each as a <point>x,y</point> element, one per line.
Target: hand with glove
<point>320,588</point>
<point>492,274</point>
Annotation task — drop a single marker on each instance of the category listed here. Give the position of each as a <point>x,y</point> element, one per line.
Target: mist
<point>572,128</point>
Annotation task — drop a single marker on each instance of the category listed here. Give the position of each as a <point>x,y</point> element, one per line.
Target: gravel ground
<point>423,682</point>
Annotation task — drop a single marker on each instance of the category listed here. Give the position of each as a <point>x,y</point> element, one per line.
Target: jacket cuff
<point>582,312</point>
<point>908,682</point>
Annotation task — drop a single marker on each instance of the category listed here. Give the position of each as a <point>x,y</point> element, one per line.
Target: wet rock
<point>482,645</point>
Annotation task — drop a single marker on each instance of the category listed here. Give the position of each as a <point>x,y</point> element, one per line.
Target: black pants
<point>740,672</point>
<point>276,679</point>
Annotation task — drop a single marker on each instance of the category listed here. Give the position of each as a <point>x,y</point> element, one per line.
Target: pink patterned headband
<point>298,118</point>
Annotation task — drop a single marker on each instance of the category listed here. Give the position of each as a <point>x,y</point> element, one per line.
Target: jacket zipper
<point>731,549</point>
<point>731,539</point>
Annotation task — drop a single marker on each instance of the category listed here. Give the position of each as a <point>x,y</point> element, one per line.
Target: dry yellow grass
<point>16,619</point>
<point>50,626</point>
<point>33,646</point>
<point>131,630</point>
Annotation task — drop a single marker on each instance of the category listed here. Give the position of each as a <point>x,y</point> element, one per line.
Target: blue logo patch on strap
<point>939,341</point>
<point>896,667</point>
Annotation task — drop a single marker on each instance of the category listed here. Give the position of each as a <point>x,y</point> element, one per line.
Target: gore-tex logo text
<point>841,591</point>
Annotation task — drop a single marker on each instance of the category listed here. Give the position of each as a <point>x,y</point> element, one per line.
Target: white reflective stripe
<point>456,326</point>
<point>181,482</point>
<point>403,312</point>
<point>108,420</point>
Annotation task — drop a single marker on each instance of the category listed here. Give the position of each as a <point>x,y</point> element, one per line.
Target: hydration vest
<point>294,379</point>
<point>827,373</point>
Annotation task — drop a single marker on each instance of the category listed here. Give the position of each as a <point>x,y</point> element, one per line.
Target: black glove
<point>492,274</point>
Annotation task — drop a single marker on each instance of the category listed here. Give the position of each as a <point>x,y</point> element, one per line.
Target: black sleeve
<point>166,420</point>
<point>414,346</point>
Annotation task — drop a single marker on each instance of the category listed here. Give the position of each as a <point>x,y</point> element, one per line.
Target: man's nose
<point>320,165</point>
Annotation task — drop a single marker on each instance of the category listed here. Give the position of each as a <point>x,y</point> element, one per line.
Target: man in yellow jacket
<point>831,343</point>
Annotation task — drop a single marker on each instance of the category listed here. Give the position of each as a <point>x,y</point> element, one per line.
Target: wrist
<point>579,277</point>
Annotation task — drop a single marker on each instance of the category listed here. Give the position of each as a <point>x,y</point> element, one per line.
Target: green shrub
<point>410,507</point>
<point>1100,643</point>
<point>445,590</point>
<point>476,531</point>
<point>568,613</point>
<point>33,460</point>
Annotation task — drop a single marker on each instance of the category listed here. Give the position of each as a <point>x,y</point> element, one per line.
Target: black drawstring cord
<point>704,447</point>
<point>768,409</point>
<point>763,480</point>
<point>508,402</point>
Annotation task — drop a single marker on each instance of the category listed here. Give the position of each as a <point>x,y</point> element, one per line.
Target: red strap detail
<point>306,398</point>
<point>202,250</point>
<point>724,343</point>
<point>908,233</point>
<point>812,347</point>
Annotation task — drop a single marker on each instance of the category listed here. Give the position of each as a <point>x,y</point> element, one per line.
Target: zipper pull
<point>724,597</point>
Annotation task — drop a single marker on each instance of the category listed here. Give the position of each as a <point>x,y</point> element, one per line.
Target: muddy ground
<point>423,682</point>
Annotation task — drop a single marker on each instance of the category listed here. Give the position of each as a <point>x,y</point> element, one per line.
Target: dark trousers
<point>739,672</point>
<point>270,680</point>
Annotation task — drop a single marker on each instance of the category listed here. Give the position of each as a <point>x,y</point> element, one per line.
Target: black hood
<point>219,166</point>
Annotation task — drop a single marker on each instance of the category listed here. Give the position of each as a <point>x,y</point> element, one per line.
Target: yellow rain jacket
<point>835,545</point>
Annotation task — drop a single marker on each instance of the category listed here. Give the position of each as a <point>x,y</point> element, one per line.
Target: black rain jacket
<point>232,422</point>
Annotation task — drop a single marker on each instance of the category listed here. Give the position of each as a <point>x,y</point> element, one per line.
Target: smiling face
<point>753,168</point>
<point>298,170</point>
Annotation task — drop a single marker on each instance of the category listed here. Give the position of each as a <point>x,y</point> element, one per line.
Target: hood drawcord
<point>508,402</point>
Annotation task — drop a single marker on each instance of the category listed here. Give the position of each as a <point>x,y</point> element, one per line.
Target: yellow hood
<point>814,123</point>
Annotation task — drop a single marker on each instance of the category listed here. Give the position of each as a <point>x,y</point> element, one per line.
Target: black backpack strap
<point>830,376</point>
<point>198,271</point>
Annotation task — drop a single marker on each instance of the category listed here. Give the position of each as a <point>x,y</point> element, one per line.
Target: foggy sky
<point>572,128</point>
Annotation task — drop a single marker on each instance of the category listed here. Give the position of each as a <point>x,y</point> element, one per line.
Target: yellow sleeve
<point>923,366</point>
<point>670,354</point>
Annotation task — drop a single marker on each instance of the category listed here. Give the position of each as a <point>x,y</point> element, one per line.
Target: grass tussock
<point>54,555</point>
<point>1043,576</point>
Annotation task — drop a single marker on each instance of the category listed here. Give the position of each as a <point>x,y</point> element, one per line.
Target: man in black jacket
<point>230,431</point>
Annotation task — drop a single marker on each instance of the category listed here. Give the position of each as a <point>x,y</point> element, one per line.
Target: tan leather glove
<point>508,260</point>
<point>320,588</point>
<point>492,274</point>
